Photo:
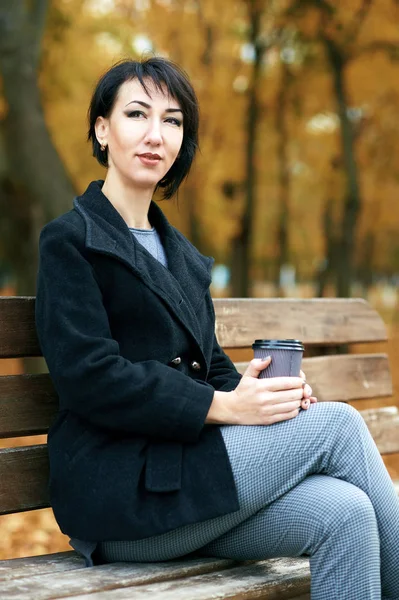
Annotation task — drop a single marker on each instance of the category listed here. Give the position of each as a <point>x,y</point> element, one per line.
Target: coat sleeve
<point>223,376</point>
<point>90,376</point>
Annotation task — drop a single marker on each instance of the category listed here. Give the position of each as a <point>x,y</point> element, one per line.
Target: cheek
<point>124,137</point>
<point>123,140</point>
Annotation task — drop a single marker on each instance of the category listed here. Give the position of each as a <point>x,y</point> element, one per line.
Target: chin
<point>144,182</point>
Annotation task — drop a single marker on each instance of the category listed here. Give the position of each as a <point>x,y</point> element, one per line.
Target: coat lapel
<point>182,286</point>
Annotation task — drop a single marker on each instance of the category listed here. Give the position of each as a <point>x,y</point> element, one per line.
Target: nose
<point>153,135</point>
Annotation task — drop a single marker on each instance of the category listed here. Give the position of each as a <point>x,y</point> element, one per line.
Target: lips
<point>150,156</point>
<point>148,159</point>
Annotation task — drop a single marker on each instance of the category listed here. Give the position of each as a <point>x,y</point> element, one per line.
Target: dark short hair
<point>164,74</point>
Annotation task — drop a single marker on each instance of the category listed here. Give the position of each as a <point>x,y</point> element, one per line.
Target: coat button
<point>176,361</point>
<point>195,365</point>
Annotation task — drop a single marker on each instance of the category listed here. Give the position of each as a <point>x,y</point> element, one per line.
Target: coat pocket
<point>163,466</point>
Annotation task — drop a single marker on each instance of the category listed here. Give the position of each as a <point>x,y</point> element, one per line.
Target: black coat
<point>130,455</point>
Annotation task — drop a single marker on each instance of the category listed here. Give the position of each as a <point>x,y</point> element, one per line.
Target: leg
<point>330,438</point>
<point>267,462</point>
<point>330,520</point>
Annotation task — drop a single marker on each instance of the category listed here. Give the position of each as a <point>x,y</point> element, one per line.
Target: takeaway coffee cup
<point>286,357</point>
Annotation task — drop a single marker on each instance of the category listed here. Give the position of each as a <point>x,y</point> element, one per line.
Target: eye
<point>136,114</point>
<point>174,121</point>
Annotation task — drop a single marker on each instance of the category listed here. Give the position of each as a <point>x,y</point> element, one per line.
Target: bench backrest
<point>28,403</point>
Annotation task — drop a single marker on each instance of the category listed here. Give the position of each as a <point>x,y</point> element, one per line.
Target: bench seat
<point>63,575</point>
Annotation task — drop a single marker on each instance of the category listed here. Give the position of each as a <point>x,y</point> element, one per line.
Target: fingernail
<point>306,402</point>
<point>265,359</point>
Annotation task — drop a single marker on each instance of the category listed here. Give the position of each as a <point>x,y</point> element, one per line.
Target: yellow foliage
<point>208,39</point>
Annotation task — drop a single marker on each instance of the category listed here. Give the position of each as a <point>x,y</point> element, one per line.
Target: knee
<point>341,513</point>
<point>346,416</point>
<point>352,510</point>
<point>344,410</point>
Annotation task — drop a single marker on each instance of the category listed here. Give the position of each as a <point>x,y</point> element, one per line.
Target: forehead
<point>133,90</point>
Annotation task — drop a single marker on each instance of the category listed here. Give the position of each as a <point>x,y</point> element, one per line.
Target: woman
<point>160,448</point>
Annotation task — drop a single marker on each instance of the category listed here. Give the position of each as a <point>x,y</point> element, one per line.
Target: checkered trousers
<point>312,486</point>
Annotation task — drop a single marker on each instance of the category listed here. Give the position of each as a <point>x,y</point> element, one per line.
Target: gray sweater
<point>151,241</point>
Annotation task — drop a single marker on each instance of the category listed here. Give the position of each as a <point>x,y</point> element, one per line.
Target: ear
<point>101,129</point>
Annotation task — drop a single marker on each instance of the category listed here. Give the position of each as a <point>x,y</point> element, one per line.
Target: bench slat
<point>346,376</point>
<point>383,424</point>
<point>324,321</point>
<point>28,404</point>
<point>24,478</point>
<point>17,327</point>
<point>24,470</point>
<point>275,579</point>
<point>15,568</point>
<point>314,321</point>
<point>108,577</point>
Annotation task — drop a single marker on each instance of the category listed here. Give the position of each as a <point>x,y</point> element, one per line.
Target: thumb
<point>256,366</point>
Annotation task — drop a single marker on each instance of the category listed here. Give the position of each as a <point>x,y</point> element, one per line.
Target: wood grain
<point>275,579</point>
<point>106,577</point>
<point>24,477</point>
<point>17,327</point>
<point>383,424</point>
<point>28,404</point>
<point>319,321</point>
<point>47,563</point>
<point>346,376</point>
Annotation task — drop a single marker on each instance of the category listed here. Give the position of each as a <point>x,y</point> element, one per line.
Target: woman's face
<point>143,134</point>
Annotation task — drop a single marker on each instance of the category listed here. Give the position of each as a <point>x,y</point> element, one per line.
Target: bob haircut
<point>163,74</point>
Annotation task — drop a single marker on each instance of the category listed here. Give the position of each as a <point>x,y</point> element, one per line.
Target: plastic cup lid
<point>279,344</point>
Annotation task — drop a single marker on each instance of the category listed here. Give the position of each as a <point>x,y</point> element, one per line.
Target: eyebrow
<point>168,110</point>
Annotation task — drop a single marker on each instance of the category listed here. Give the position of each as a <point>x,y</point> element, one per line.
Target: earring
<point>103,147</point>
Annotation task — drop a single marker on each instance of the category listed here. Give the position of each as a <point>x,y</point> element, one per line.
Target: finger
<point>256,366</point>
<point>284,416</point>
<point>274,384</point>
<point>307,391</point>
<point>302,374</point>
<point>305,404</point>
<point>284,396</point>
<point>313,399</point>
<point>286,407</point>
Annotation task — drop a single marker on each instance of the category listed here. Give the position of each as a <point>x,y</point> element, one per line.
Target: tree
<point>281,110</point>
<point>338,33</point>
<point>241,245</point>
<point>34,185</point>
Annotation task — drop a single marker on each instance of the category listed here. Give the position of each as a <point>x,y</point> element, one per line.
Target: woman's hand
<point>260,401</point>
<point>308,399</point>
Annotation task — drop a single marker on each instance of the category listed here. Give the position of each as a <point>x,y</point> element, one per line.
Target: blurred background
<point>295,190</point>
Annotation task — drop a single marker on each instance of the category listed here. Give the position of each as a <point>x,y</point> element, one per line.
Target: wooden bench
<point>28,404</point>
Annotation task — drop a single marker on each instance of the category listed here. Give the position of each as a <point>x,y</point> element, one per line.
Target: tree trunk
<point>283,178</point>
<point>35,186</point>
<point>241,249</point>
<point>327,269</point>
<point>352,204</point>
<point>366,262</point>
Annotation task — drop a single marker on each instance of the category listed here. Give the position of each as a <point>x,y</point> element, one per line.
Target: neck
<point>131,203</point>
